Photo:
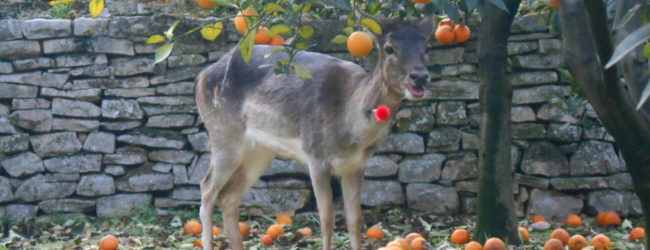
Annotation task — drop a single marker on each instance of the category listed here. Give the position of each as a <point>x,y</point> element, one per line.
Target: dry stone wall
<point>88,124</point>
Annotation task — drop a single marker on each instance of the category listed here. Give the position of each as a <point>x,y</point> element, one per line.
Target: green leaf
<point>247,45</point>
<point>372,25</point>
<point>155,39</point>
<point>301,71</point>
<point>273,52</point>
<point>279,29</point>
<point>163,52</point>
<point>224,3</point>
<point>628,44</point>
<point>306,31</point>
<point>500,4</point>
<point>340,39</point>
<point>170,32</point>
<point>644,96</point>
<point>212,31</point>
<point>646,51</point>
<point>272,8</point>
<point>628,15</point>
<point>348,30</point>
<point>96,7</point>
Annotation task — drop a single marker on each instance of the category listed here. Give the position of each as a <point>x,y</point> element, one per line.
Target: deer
<point>253,115</point>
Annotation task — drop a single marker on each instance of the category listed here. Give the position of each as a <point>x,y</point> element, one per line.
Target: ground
<point>145,229</point>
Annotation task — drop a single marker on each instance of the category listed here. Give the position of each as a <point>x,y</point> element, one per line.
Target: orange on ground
<point>537,218</point>
<point>305,232</point>
<point>418,244</point>
<point>192,227</point>
<point>461,33</point>
<point>206,4</point>
<point>392,248</point>
<point>216,230</point>
<point>611,219</point>
<point>267,240</point>
<point>601,241</point>
<point>556,4</point>
<point>241,24</point>
<point>359,44</point>
<point>412,236</point>
<point>445,35</point>
<point>525,235</point>
<point>637,233</point>
<point>277,40</point>
<point>375,232</point>
<point>274,231</point>
<point>422,1</point>
<point>198,243</point>
<point>447,22</point>
<point>553,244</point>
<point>473,246</point>
<point>494,244</point>
<point>399,242</point>
<point>561,235</point>
<point>577,242</point>
<point>262,37</point>
<point>573,220</point>
<point>243,229</point>
<point>599,218</point>
<point>459,237</point>
<point>109,242</point>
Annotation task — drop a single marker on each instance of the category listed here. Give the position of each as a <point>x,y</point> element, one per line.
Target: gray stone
<point>99,70</point>
<point>6,127</point>
<point>6,68</point>
<point>74,164</point>
<point>55,80</point>
<point>166,100</point>
<point>554,206</point>
<point>175,61</point>
<point>470,140</point>
<point>446,56</point>
<point>55,144</point>
<point>34,120</point>
<point>36,189</point>
<point>10,91</point>
<point>130,26</point>
<point>432,198</point>
<point>180,174</point>
<point>76,60</point>
<point>452,90</point>
<point>465,167</point>
<point>550,46</point>
<point>76,125</point>
<point>64,45</point>
<point>114,170</point>
<point>129,93</point>
<point>73,108</point>
<point>458,69</point>
<point>114,46</point>
<point>46,28</point>
<point>170,121</point>
<point>6,193</point>
<point>288,183</point>
<point>468,205</point>
<point>171,203</point>
<point>169,109</point>
<point>425,168</point>
<point>381,166</point>
<point>623,202</point>
<point>181,88</point>
<point>127,66</point>
<point>11,29</point>
<point>522,114</point>
<point>594,132</point>
<point>67,206</point>
<point>162,167</point>
<point>125,158</point>
<point>14,143</point>
<point>580,183</point>
<point>81,94</point>
<point>172,156</point>
<point>84,26</point>
<point>121,204</point>
<point>451,113</point>
<point>186,193</point>
<point>21,212</point>
<point>528,24</point>
<point>444,139</point>
<point>4,110</point>
<point>154,138</point>
<point>528,131</point>
<point>23,164</point>
<point>551,112</point>
<point>539,61</point>
<point>470,187</point>
<point>120,126</point>
<point>121,109</point>
<point>197,170</point>
<point>176,75</point>
<point>595,157</point>
<point>274,201</point>
<point>277,167</point>
<point>518,48</point>
<point>96,185</point>
<point>381,193</point>
<point>33,63</point>
<point>32,78</point>
<point>532,78</point>
<point>199,141</point>
<point>19,49</point>
<point>57,177</point>
<point>101,142</point>
<point>620,181</point>
<point>543,158</point>
<point>32,103</point>
<point>539,94</point>
<point>564,132</point>
<point>145,180</point>
<point>532,181</point>
<point>402,143</point>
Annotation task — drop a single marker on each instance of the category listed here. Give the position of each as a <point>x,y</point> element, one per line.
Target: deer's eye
<point>389,50</point>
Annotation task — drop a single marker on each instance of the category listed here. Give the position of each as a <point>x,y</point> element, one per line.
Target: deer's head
<point>403,58</point>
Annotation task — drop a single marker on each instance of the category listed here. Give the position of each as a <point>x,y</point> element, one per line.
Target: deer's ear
<point>426,25</point>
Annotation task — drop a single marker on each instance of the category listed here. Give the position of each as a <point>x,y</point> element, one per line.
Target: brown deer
<point>325,122</point>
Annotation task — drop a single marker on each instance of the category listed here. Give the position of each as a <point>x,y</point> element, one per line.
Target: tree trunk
<point>613,104</point>
<point>496,214</point>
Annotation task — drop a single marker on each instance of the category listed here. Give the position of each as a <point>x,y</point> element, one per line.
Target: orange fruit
<point>262,37</point>
<point>267,240</point>
<point>561,235</point>
<point>216,230</point>
<point>525,235</point>
<point>422,1</point>
<point>283,219</point>
<point>109,242</point>
<point>611,219</point>
<point>445,35</point>
<point>392,248</point>
<point>461,33</point>
<point>601,241</point>
<point>577,242</point>
<point>553,244</point>
<point>359,44</point>
<point>556,4</point>
<point>206,4</point>
<point>494,244</point>
<point>537,218</point>
<point>399,242</point>
<point>243,229</point>
<point>637,233</point>
<point>412,236</point>
<point>447,22</point>
<point>192,227</point>
<point>375,232</point>
<point>473,246</point>
<point>305,232</point>
<point>277,40</point>
<point>198,243</point>
<point>241,24</point>
<point>274,231</point>
<point>418,244</point>
<point>573,220</point>
<point>459,237</point>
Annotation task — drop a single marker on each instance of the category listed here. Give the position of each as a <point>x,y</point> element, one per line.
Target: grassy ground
<point>144,229</point>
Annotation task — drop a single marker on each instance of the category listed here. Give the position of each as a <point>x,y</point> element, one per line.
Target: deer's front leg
<point>351,187</point>
<point>320,178</point>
